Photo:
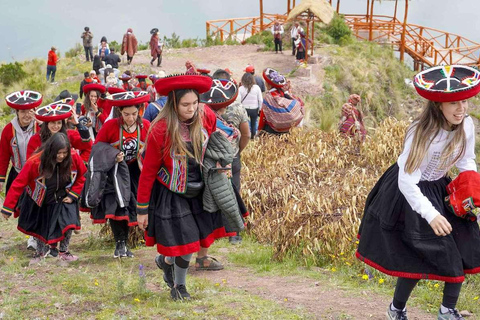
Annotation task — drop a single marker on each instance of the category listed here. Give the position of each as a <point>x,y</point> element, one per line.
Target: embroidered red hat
<point>113,90</point>
<point>448,83</point>
<point>141,76</point>
<point>250,68</point>
<point>128,98</point>
<point>222,93</point>
<point>24,100</point>
<point>464,195</point>
<point>203,70</point>
<point>94,86</point>
<point>274,78</point>
<point>53,112</point>
<point>125,77</point>
<point>196,82</point>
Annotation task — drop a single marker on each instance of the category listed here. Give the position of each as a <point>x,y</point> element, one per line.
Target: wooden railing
<point>427,46</point>
<point>240,29</point>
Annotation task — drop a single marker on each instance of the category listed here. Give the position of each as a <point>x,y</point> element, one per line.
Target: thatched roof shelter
<point>321,9</point>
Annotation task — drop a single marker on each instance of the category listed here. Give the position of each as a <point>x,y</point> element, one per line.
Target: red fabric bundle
<point>464,195</point>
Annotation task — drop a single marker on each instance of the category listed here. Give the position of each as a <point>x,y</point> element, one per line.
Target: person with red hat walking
<point>95,109</point>
<point>170,188</point>
<point>408,230</point>
<point>126,132</point>
<point>129,45</point>
<point>258,79</point>
<point>156,48</point>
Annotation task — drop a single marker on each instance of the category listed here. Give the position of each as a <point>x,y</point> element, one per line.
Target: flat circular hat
<point>141,76</point>
<point>274,78</point>
<point>203,70</point>
<point>128,98</point>
<point>125,77</point>
<point>53,112</point>
<point>154,30</point>
<point>113,90</point>
<point>448,83</point>
<point>221,94</point>
<point>196,82</point>
<point>94,86</point>
<point>24,100</point>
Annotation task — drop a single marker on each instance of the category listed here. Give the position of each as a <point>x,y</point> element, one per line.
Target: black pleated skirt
<point>12,175</point>
<point>108,208</point>
<point>180,226</point>
<point>48,222</point>
<point>397,241</point>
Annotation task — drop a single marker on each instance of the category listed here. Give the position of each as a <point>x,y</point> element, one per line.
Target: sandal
<point>213,266</point>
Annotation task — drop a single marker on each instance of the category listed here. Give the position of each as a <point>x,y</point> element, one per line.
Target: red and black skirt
<point>108,208</point>
<point>48,222</point>
<point>12,175</point>
<point>397,241</point>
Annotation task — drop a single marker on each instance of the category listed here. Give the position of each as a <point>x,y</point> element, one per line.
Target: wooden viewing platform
<point>427,46</point>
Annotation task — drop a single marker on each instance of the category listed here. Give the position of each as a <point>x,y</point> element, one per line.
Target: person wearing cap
<point>112,59</point>
<point>93,77</point>
<point>52,64</point>
<point>258,80</point>
<point>281,110</point>
<point>126,77</point>
<point>87,37</point>
<point>156,47</point>
<point>294,32</point>
<point>127,132</point>
<point>51,182</point>
<point>54,122</point>
<point>129,45</point>
<point>251,98</point>
<point>277,31</point>
<point>94,108</point>
<point>408,230</point>
<point>142,81</point>
<point>169,197</point>
<point>232,121</point>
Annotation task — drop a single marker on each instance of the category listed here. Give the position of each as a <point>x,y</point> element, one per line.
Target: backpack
<point>282,112</point>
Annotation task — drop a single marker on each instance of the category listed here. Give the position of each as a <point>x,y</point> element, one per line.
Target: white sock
<point>443,309</point>
<point>392,307</point>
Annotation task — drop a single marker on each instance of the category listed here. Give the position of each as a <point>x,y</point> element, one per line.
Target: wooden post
<point>307,37</point>
<point>402,44</point>
<point>313,34</point>
<point>293,4</point>
<point>231,29</point>
<point>330,2</point>
<point>446,40</point>
<point>370,34</point>
<point>208,29</point>
<point>368,9</point>
<point>395,13</point>
<point>261,15</point>
<point>288,7</point>
<point>338,6</point>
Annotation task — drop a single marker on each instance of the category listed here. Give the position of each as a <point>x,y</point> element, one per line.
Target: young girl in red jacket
<point>44,196</point>
<point>95,109</point>
<point>170,187</point>
<point>17,133</point>
<point>54,117</point>
<point>408,229</point>
<point>127,132</point>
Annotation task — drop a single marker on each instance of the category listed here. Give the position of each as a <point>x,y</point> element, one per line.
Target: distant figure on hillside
<point>296,29</point>
<point>351,122</point>
<point>277,31</point>
<point>191,69</point>
<point>52,64</point>
<point>87,37</point>
<point>103,49</point>
<point>258,80</point>
<point>156,47</point>
<point>129,45</point>
<point>112,59</point>
<point>251,98</point>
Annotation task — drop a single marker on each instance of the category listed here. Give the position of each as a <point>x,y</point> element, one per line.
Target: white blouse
<point>429,169</point>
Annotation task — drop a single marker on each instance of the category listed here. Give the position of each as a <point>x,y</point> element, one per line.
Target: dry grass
<point>306,191</point>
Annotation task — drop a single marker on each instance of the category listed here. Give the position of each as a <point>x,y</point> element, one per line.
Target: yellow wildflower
<point>333,269</point>
<point>475,298</point>
<point>381,280</point>
<point>365,277</point>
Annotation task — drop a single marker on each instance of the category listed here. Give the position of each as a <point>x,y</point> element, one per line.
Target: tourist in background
<point>296,29</point>
<point>129,45</point>
<point>258,80</point>
<point>277,31</point>
<point>87,37</point>
<point>112,59</point>
<point>251,98</point>
<point>52,64</point>
<point>86,80</point>
<point>103,49</point>
<point>97,64</point>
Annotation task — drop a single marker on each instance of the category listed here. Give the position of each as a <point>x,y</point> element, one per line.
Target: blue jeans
<point>253,115</point>
<point>88,53</point>
<point>51,71</point>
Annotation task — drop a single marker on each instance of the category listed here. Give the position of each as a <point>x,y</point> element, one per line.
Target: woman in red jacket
<point>95,108</point>
<point>53,117</point>
<point>17,133</point>
<point>45,195</point>
<point>170,187</point>
<point>128,133</point>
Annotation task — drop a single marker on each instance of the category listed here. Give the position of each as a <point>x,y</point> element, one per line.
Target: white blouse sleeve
<point>407,183</point>
<point>467,162</point>
<point>259,96</point>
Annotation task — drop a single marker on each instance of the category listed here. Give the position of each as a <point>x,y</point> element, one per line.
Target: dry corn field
<point>306,191</point>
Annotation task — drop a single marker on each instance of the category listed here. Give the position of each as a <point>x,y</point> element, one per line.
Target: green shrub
<point>339,31</point>
<point>143,46</point>
<point>75,51</point>
<point>11,72</point>
<point>173,42</point>
<point>36,83</point>
<point>115,45</point>
<point>189,43</point>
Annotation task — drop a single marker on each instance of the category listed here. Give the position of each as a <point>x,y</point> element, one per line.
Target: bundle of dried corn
<point>307,190</point>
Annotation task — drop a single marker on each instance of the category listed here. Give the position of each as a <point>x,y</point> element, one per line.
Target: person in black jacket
<point>86,80</point>
<point>112,59</point>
